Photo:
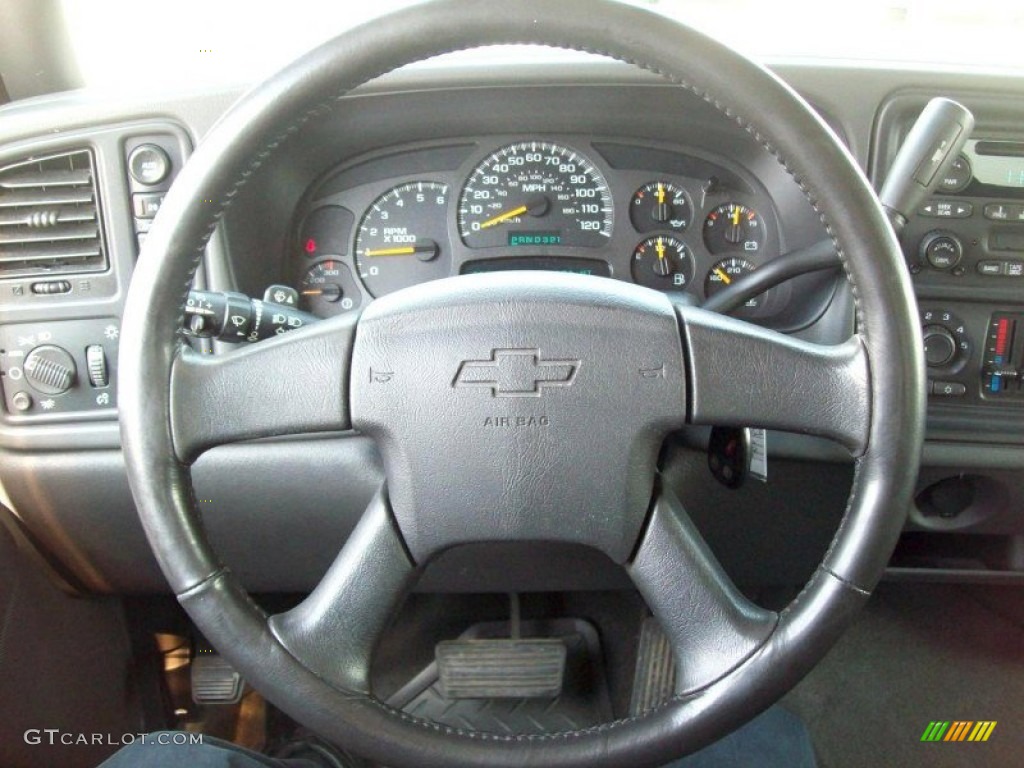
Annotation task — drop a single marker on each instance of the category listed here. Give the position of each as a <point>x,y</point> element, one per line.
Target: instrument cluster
<point>662,217</point>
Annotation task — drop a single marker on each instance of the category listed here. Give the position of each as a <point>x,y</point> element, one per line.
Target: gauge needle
<point>536,206</point>
<point>661,211</point>
<point>424,250</point>
<point>662,266</point>
<point>504,216</point>
<point>330,292</point>
<point>736,216</point>
<point>725,278</point>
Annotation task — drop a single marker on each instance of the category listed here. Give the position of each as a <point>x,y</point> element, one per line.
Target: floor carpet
<point>921,653</point>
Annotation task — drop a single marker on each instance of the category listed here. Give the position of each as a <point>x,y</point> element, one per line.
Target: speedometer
<point>535,194</point>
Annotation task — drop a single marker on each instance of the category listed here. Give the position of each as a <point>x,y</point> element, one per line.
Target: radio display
<point>998,163</point>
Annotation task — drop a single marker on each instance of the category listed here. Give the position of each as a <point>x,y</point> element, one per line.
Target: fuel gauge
<point>663,263</point>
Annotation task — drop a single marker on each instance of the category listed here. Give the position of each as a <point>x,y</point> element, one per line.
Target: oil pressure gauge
<point>659,205</point>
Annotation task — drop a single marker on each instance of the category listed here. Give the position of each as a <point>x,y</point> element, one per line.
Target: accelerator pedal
<point>655,678</point>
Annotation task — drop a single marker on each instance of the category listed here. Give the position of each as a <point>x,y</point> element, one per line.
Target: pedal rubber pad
<point>501,669</point>
<point>215,681</point>
<point>654,681</point>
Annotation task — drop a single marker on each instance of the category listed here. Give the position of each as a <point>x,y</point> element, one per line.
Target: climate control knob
<point>50,370</point>
<point>941,249</point>
<point>939,346</point>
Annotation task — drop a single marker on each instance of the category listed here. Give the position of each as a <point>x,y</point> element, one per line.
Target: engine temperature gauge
<point>725,273</point>
<point>734,227</point>
<point>664,263</point>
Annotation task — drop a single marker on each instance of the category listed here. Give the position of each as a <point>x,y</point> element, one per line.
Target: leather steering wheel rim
<point>272,114</point>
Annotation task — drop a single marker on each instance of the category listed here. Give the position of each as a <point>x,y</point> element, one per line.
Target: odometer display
<point>536,187</point>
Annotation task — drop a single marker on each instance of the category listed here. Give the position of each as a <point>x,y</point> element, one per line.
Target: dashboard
<point>588,168</point>
<point>663,216</point>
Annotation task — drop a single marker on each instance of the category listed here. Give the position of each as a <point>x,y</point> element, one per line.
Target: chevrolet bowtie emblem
<point>516,373</point>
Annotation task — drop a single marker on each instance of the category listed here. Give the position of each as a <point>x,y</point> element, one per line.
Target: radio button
<point>1001,211</point>
<point>941,249</point>
<point>946,209</point>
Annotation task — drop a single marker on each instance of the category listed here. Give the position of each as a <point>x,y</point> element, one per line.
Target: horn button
<point>519,406</point>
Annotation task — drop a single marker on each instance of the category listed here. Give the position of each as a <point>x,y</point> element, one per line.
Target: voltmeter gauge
<point>664,263</point>
<point>734,227</point>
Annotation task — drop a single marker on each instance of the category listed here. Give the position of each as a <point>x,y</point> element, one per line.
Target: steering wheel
<point>523,407</point>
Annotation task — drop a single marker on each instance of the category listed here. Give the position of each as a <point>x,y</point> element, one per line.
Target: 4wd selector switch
<point>50,370</point>
<point>939,346</point>
<point>941,249</point>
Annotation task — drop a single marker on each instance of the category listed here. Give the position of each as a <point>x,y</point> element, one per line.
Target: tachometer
<point>402,238</point>
<point>535,194</point>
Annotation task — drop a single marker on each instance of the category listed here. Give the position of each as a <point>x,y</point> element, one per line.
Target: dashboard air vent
<point>49,216</point>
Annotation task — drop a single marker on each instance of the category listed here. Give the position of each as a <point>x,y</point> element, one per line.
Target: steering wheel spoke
<point>712,627</point>
<point>741,375</point>
<point>292,384</point>
<point>333,631</point>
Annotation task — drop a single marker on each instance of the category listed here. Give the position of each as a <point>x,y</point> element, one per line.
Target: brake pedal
<point>214,680</point>
<point>501,669</point>
<point>515,668</point>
